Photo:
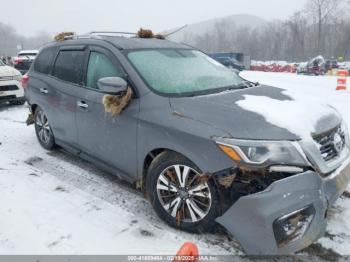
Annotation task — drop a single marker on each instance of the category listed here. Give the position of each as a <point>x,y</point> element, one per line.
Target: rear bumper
<point>251,219</point>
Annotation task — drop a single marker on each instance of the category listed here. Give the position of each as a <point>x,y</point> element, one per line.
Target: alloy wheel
<point>183,193</point>
<point>43,128</point>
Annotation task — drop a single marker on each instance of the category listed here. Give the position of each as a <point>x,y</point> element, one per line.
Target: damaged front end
<point>278,199</point>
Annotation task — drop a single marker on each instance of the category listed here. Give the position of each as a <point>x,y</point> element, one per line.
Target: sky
<point>32,16</point>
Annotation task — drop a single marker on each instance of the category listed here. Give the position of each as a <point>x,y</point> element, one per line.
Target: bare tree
<point>321,11</point>
<point>298,30</point>
<point>10,40</point>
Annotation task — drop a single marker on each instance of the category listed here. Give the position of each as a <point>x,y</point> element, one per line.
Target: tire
<point>18,102</point>
<point>179,211</point>
<point>43,130</point>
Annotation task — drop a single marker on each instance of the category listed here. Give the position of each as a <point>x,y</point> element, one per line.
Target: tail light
<point>18,61</point>
<point>25,80</point>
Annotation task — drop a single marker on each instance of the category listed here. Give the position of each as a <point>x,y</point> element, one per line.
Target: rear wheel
<point>43,130</point>
<point>180,194</point>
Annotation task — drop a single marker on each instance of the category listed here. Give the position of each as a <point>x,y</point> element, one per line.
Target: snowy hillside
<point>203,27</point>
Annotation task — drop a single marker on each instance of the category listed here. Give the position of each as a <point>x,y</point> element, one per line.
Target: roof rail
<point>69,37</point>
<point>111,33</point>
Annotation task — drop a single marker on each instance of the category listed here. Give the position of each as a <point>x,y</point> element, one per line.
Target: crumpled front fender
<point>251,218</point>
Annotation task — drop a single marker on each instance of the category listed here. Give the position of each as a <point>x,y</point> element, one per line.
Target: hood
<point>263,113</point>
<point>8,71</point>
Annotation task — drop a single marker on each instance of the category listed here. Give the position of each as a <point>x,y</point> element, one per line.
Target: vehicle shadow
<point>89,178</point>
<point>5,106</point>
<point>85,176</point>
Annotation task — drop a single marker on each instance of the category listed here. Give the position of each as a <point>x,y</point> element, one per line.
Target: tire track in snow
<point>85,176</point>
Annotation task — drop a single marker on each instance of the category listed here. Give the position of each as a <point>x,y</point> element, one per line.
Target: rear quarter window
<point>69,66</point>
<point>44,61</point>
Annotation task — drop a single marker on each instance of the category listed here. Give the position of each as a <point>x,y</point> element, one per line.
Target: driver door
<point>109,139</point>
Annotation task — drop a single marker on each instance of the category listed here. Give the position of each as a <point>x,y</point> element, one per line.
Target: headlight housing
<point>17,78</point>
<point>257,152</point>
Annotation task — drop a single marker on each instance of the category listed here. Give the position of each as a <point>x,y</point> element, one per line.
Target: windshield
<point>184,71</point>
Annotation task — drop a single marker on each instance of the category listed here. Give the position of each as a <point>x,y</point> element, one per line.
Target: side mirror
<point>112,85</point>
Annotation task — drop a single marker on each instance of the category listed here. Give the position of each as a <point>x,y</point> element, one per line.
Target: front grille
<point>8,88</point>
<point>5,98</point>
<point>331,143</point>
<point>6,78</point>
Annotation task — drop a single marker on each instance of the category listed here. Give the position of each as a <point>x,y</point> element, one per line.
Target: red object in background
<point>18,61</point>
<point>25,80</point>
<point>187,253</point>
<point>274,68</point>
<point>342,78</point>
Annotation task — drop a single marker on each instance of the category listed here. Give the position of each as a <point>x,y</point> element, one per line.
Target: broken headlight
<point>263,152</point>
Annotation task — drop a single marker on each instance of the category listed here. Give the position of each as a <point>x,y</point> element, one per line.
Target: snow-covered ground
<point>55,203</point>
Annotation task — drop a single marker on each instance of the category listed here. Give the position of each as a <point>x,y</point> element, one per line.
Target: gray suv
<point>183,140</point>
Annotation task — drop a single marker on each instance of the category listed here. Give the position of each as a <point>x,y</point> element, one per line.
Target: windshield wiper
<point>235,87</point>
<point>219,90</point>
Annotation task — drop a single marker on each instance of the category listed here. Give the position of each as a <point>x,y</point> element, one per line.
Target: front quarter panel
<point>160,127</point>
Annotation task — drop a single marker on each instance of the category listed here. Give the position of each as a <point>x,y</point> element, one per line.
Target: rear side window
<point>100,66</point>
<point>43,63</point>
<point>69,66</point>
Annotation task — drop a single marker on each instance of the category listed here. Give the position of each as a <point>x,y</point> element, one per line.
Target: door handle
<point>82,104</point>
<point>43,90</point>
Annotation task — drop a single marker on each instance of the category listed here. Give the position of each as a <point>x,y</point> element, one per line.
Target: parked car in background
<point>315,66</point>
<point>184,139</point>
<point>11,89</point>
<point>240,59</point>
<point>24,60</point>
<point>331,64</point>
<point>301,67</point>
<point>230,62</point>
<point>345,65</point>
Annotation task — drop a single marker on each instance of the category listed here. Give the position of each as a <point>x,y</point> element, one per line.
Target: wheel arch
<point>33,107</point>
<point>149,158</point>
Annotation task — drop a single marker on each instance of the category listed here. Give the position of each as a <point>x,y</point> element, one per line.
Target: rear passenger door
<point>40,90</point>
<point>110,139</point>
<point>67,80</point>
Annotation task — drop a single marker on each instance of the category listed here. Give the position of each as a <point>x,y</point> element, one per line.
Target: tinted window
<point>100,66</point>
<point>43,63</point>
<point>69,66</point>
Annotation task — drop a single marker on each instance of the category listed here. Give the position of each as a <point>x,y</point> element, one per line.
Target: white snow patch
<point>299,116</point>
<point>43,211</point>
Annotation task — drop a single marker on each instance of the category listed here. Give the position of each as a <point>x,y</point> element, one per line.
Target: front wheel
<point>18,102</point>
<point>180,194</point>
<point>43,130</point>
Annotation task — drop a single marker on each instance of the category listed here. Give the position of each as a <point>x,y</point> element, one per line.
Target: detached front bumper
<point>257,220</point>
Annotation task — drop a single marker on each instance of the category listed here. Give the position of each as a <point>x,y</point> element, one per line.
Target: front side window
<point>69,66</point>
<point>43,63</point>
<point>100,66</point>
<point>178,71</point>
